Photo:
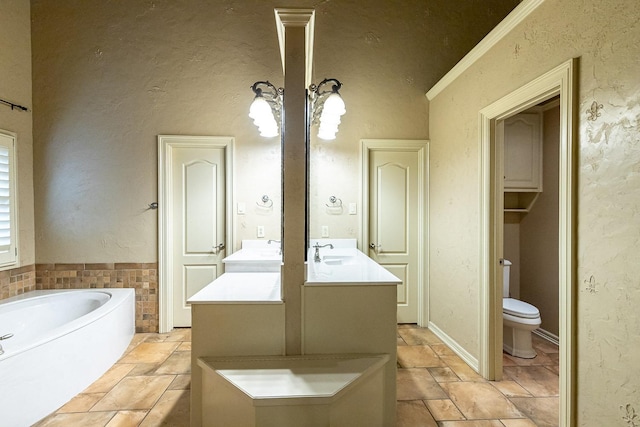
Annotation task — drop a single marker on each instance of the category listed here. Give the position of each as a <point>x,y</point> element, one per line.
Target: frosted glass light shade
<point>260,110</point>
<point>334,105</point>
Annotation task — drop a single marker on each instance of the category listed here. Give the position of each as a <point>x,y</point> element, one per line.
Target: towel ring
<point>335,202</point>
<point>266,202</point>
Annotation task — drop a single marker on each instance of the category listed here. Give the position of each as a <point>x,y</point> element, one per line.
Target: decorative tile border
<point>143,277</point>
<point>17,281</point>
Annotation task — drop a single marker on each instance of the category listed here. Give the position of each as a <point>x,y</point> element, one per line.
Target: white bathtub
<point>62,342</point>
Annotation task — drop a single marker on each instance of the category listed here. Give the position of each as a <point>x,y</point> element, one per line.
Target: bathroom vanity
<point>348,319</point>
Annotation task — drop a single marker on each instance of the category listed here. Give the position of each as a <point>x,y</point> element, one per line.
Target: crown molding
<point>514,18</point>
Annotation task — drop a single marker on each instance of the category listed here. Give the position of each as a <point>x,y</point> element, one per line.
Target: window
<point>8,206</point>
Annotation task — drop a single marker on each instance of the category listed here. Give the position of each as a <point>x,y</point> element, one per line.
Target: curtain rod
<point>12,105</point>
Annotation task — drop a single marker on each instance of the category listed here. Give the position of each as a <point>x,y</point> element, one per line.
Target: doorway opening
<point>559,82</point>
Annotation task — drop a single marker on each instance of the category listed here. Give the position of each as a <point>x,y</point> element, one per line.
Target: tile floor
<point>149,386</point>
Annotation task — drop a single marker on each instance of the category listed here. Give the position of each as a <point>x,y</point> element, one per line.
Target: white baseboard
<point>547,336</point>
<point>457,348</point>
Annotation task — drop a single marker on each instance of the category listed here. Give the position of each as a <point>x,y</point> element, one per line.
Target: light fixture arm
<point>334,88</point>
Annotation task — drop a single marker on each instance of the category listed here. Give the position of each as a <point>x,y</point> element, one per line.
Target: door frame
<point>166,144</point>
<point>561,81</point>
<point>421,147</point>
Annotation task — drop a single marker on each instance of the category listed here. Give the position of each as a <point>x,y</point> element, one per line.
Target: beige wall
<point>15,86</point>
<point>539,234</point>
<point>604,36</point>
<point>110,76</point>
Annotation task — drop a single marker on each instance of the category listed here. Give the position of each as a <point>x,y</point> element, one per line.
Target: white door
<point>395,235</point>
<point>195,236</point>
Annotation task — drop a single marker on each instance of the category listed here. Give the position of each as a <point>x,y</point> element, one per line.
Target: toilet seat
<point>519,308</point>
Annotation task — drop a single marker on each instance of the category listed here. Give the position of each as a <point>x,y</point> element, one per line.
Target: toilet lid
<point>519,308</point>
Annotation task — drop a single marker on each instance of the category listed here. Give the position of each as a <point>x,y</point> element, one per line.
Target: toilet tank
<point>505,278</point>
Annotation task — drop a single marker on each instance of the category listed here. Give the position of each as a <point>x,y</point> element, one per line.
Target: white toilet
<point>518,319</point>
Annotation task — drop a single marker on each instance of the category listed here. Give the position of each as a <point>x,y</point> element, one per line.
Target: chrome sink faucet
<point>317,246</point>
<point>278,242</point>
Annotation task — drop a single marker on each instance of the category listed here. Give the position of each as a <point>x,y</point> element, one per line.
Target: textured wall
<point>15,86</point>
<point>604,35</point>
<point>110,76</point>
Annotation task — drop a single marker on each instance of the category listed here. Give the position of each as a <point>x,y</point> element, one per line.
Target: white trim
<point>453,345</point>
<point>561,80</point>
<point>422,148</point>
<point>298,18</point>
<point>166,143</point>
<point>546,335</point>
<point>514,18</point>
<point>13,262</point>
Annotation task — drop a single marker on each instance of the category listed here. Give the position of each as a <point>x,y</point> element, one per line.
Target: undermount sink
<point>338,259</point>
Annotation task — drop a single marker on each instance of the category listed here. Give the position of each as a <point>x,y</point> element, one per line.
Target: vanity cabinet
<point>523,153</point>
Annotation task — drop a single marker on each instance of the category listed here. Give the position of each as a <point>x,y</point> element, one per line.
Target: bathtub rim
<point>117,297</point>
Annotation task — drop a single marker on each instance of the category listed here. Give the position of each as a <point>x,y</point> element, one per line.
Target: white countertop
<point>254,255</point>
<point>271,378</point>
<point>241,288</point>
<point>346,266</point>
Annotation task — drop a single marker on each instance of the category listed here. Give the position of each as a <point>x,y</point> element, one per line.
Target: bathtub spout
<point>4,337</point>
<point>317,246</point>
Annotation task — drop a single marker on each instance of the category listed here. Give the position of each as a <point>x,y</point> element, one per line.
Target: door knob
<point>218,248</point>
<point>374,247</point>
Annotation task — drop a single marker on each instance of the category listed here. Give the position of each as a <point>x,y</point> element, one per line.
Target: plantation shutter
<point>7,201</point>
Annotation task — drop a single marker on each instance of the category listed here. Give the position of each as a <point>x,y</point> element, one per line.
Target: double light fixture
<point>326,107</point>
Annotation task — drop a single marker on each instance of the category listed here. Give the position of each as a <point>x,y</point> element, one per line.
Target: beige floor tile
<point>480,400</point>
<point>110,378</point>
<point>127,419</point>
<point>510,388</point>
<point>400,341</point>
<point>179,334</point>
<point>178,363</point>
<point>171,410</point>
<point>418,356</point>
<point>413,413</point>
<point>155,338</point>
<point>143,369</point>
<point>472,423</point>
<point>555,369</point>
<point>443,375</point>
<point>185,346</point>
<point>508,360</point>
<point>136,340</point>
<point>543,345</point>
<point>93,419</point>
<point>523,422</point>
<point>554,358</point>
<point>418,336</point>
<point>81,403</point>
<point>442,350</point>
<point>540,359</point>
<point>444,410</point>
<point>150,352</point>
<point>462,370</point>
<point>182,382</point>
<point>417,384</point>
<point>537,380</point>
<point>542,410</point>
<point>134,393</point>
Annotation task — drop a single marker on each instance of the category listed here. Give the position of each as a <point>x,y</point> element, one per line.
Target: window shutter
<point>8,235</point>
